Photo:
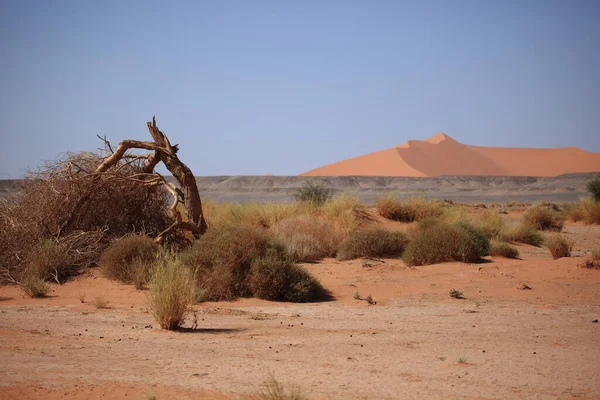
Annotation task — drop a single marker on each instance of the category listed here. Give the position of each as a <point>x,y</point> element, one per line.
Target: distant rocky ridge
<point>466,189</point>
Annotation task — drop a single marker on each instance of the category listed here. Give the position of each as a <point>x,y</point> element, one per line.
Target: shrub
<point>172,291</point>
<point>47,260</point>
<point>559,246</point>
<point>523,233</point>
<point>412,209</point>
<point>34,287</point>
<point>503,249</point>
<point>315,193</point>
<point>222,258</point>
<point>590,209</point>
<point>372,243</point>
<point>308,237</point>
<point>543,218</point>
<point>277,278</point>
<point>123,259</point>
<point>593,187</point>
<point>100,302</point>
<point>436,242</point>
<point>492,225</point>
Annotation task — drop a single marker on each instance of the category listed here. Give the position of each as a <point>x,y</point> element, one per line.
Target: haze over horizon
<point>249,88</point>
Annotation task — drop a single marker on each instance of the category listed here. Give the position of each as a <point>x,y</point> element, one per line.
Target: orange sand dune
<point>442,155</point>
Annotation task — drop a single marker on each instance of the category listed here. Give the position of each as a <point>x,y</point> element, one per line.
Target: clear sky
<point>256,87</point>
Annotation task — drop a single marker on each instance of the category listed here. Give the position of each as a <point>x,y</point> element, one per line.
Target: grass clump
<point>412,209</point>
<point>491,224</point>
<point>593,187</point>
<point>456,294</point>
<point>48,260</point>
<point>128,259</point>
<point>345,212</point>
<point>435,241</point>
<point>308,237</point>
<point>543,218</point>
<point>272,389</point>
<point>315,193</point>
<point>372,243</point>
<point>172,291</point>
<point>34,287</point>
<point>275,277</point>
<point>100,302</point>
<point>589,210</point>
<point>559,246</point>
<point>524,233</point>
<point>503,249</point>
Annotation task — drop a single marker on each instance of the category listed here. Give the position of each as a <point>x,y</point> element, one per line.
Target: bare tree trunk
<point>167,154</point>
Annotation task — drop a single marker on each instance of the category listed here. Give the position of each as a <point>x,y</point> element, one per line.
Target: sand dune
<point>442,155</point>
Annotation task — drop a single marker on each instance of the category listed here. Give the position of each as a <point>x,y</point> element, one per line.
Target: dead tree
<point>163,151</point>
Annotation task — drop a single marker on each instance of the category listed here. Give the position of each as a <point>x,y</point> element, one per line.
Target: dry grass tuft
<point>559,246</point>
<point>523,233</point>
<point>543,217</point>
<point>492,225</point>
<point>308,237</point>
<point>172,291</point>
<point>100,302</point>
<point>411,209</point>
<point>272,389</point>
<point>34,287</point>
<point>503,249</point>
<point>373,243</point>
<point>435,241</point>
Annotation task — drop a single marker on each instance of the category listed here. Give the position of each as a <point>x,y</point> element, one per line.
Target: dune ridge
<point>442,155</point>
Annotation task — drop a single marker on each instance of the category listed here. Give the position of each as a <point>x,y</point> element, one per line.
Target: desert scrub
<point>593,187</point>
<point>48,260</point>
<point>434,241</point>
<point>523,233</point>
<point>345,212</point>
<point>559,246</point>
<point>172,291</point>
<point>275,277</point>
<point>590,210</point>
<point>308,237</point>
<point>503,249</point>
<point>315,193</point>
<point>411,209</point>
<point>272,389</point>
<point>122,259</point>
<point>491,224</point>
<point>262,215</point>
<point>543,217</point>
<point>34,287</point>
<point>373,243</point>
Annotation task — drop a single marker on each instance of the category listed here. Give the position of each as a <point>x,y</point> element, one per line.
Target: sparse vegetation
<point>100,302</point>
<point>369,300</point>
<point>308,237</point>
<point>593,187</point>
<point>48,260</point>
<point>543,217</point>
<point>34,287</point>
<point>372,243</point>
<point>356,295</point>
<point>272,389</point>
<point>559,246</point>
<point>275,277</point>
<point>315,193</point>
<point>172,291</point>
<point>523,233</point>
<point>491,224</point>
<point>503,249</point>
<point>589,210</point>
<point>129,258</point>
<point>81,297</point>
<point>456,294</point>
<point>435,241</point>
<point>412,209</point>
<point>461,360</point>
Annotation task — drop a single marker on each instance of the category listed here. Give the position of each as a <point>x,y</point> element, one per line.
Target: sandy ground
<point>516,344</point>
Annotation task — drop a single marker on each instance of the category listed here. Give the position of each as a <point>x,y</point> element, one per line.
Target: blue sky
<point>281,87</point>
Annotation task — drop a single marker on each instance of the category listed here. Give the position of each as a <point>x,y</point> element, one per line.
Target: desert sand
<point>540,343</point>
<point>442,155</point>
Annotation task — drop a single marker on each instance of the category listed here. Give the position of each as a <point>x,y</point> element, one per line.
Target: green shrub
<point>172,291</point>
<point>412,209</point>
<point>372,243</point>
<point>48,260</point>
<point>523,233</point>
<point>435,242</point>
<point>122,258</point>
<point>543,218</point>
<point>308,237</point>
<point>275,277</point>
<point>315,193</point>
<point>503,249</point>
<point>559,246</point>
<point>593,187</point>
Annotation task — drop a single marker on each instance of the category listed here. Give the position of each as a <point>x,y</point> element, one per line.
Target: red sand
<point>442,155</point>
